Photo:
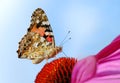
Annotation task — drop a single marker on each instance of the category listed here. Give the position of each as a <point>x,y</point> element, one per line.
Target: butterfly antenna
<point>65,41</point>
<point>65,38</point>
<point>64,53</point>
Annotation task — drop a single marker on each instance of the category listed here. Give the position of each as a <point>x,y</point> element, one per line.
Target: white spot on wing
<point>51,33</point>
<point>47,33</point>
<point>47,43</point>
<point>35,44</point>
<point>45,23</point>
<point>42,39</point>
<point>43,14</point>
<point>37,21</point>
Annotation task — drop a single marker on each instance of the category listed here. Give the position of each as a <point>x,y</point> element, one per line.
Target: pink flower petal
<point>102,68</point>
<point>109,70</point>
<point>97,80</point>
<point>111,48</point>
<point>84,70</point>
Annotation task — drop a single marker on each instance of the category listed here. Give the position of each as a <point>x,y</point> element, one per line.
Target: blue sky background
<point>93,25</point>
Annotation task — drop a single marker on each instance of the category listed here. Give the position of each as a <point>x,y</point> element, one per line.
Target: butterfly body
<point>39,43</point>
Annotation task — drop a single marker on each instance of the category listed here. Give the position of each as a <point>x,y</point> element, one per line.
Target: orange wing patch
<point>40,30</point>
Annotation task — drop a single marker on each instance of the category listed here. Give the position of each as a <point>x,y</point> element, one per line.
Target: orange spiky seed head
<point>57,71</point>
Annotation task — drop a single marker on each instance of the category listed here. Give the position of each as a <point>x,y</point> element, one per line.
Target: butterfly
<point>39,42</point>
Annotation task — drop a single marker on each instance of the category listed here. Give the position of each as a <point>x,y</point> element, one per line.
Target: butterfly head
<point>59,49</point>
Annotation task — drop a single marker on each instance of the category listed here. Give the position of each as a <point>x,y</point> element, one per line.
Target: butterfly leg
<point>46,60</point>
<point>55,54</point>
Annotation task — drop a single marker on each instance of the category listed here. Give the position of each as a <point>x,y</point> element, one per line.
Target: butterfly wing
<point>41,25</point>
<point>39,40</point>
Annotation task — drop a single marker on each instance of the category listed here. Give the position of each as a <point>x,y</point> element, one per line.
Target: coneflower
<point>57,71</point>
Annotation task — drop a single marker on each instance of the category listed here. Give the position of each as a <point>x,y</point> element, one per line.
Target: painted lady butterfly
<point>39,43</point>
